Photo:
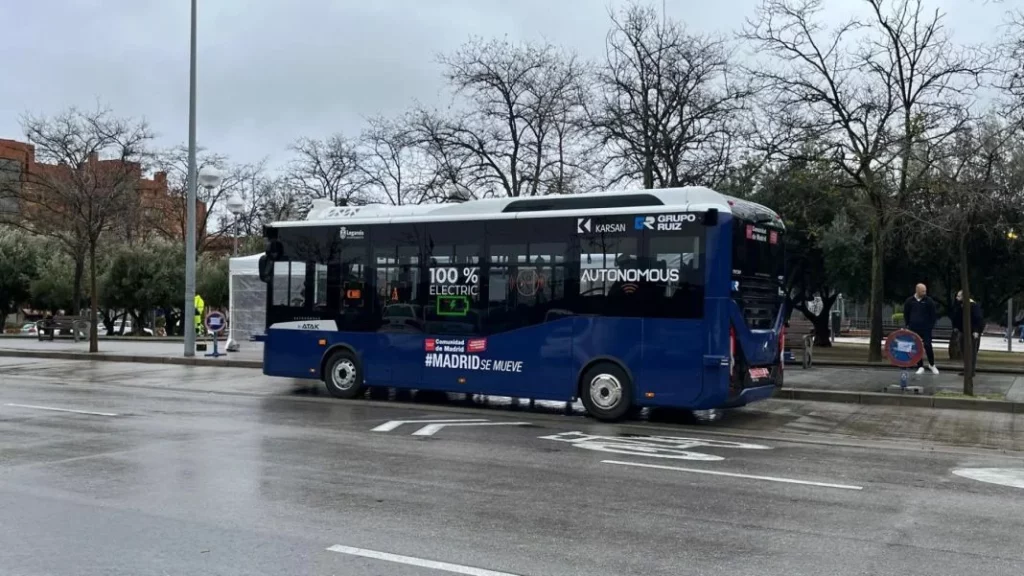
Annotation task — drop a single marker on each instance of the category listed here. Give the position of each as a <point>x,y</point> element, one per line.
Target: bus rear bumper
<point>749,395</point>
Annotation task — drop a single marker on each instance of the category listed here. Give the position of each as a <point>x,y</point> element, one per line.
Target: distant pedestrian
<point>920,315</point>
<point>977,328</point>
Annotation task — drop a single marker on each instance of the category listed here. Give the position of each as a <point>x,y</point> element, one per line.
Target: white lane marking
<point>413,561</point>
<point>435,428</point>
<point>391,425</point>
<point>735,475</point>
<point>1012,477</point>
<point>672,447</point>
<point>51,408</point>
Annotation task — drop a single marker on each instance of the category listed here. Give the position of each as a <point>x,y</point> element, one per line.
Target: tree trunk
<point>877,292</point>
<point>76,289</point>
<point>955,352</point>
<point>822,330</point>
<point>822,322</point>
<point>94,302</point>
<point>968,348</point>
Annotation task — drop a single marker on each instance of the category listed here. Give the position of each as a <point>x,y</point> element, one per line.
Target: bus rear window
<point>757,251</point>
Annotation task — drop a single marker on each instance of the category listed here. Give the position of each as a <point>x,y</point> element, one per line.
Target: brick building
<point>160,209</point>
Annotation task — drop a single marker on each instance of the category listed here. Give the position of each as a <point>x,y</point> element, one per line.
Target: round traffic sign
<point>215,322</point>
<point>904,348</point>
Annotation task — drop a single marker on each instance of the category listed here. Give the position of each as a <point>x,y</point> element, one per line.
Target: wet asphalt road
<point>180,470</point>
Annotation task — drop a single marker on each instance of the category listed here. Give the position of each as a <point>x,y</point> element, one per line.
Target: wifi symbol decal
<point>629,288</point>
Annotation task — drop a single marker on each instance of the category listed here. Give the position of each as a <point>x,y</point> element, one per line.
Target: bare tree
<point>519,105</point>
<point>393,165</point>
<point>171,221</point>
<point>667,107</point>
<point>325,169</point>
<point>86,183</point>
<point>965,197</point>
<point>885,90</point>
<point>265,199</point>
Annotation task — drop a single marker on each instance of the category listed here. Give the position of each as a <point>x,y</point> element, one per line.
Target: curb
<point>874,398</point>
<point>111,338</point>
<point>179,361</point>
<point>917,401</point>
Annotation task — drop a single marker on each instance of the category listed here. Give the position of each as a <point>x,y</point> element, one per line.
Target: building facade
<point>158,210</point>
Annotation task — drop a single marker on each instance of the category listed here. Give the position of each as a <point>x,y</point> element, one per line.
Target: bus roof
<point>689,198</point>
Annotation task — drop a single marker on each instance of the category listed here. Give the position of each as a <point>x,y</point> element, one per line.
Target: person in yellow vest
<point>199,306</point>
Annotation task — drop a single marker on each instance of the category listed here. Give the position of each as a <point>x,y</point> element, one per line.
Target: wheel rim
<point>343,375</point>
<point>605,391</point>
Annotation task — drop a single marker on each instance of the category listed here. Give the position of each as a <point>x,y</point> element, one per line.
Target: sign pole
<point>214,323</point>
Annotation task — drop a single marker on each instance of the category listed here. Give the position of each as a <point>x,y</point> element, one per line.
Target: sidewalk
<point>250,354</point>
<point>864,385</point>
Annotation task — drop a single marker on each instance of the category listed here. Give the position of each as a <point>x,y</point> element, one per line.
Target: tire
<point>606,392</point>
<point>343,375</point>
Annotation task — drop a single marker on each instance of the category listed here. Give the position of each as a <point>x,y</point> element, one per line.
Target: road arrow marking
<point>1013,477</point>
<point>419,562</point>
<point>52,409</point>
<point>735,475</point>
<point>432,429</point>
<point>391,425</point>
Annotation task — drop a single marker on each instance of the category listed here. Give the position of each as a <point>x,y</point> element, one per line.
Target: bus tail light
<point>732,352</point>
<point>782,348</point>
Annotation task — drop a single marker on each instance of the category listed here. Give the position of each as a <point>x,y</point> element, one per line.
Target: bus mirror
<point>266,268</point>
<point>711,217</point>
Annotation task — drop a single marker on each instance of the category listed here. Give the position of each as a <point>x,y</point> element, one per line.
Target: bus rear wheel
<point>606,391</point>
<point>343,376</point>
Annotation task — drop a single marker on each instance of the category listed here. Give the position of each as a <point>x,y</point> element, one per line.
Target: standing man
<point>920,315</point>
<point>977,327</point>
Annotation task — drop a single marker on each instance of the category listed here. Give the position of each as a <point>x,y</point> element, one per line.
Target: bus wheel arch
<point>342,372</point>
<point>334,349</point>
<point>606,388</point>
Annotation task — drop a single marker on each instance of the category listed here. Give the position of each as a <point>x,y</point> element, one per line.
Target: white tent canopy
<point>247,295</point>
<point>245,265</point>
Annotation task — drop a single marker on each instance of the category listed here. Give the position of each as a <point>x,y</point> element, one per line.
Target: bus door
<point>673,310</point>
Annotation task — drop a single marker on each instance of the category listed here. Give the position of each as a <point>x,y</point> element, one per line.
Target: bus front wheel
<point>606,391</point>
<point>343,375</point>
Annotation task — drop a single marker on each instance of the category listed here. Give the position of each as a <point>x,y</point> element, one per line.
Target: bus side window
<point>289,284</point>
<point>605,287</point>
<point>680,294</point>
<point>397,275</point>
<point>354,295</point>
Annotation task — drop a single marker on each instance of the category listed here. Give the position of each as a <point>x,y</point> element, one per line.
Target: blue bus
<point>652,298</point>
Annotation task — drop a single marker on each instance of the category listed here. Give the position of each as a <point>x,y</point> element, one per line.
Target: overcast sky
<point>271,71</point>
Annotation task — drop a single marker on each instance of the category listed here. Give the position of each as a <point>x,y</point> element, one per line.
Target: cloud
<point>270,72</point>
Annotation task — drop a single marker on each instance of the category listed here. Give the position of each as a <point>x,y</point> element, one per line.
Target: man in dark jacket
<point>977,327</point>
<point>920,315</point>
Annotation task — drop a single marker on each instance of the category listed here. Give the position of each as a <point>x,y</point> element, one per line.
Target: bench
<point>799,336</point>
<point>52,327</point>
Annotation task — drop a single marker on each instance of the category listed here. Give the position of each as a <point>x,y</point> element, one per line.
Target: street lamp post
<point>1011,236</point>
<point>209,178</point>
<point>235,206</point>
<point>190,202</point>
